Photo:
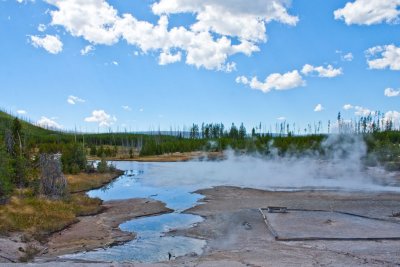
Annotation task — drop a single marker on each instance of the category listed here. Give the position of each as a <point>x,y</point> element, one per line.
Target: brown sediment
<point>102,230</point>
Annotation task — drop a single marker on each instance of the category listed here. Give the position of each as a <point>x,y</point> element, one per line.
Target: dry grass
<point>39,216</point>
<point>85,182</point>
<point>35,215</point>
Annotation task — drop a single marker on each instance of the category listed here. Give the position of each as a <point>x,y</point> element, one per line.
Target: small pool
<point>151,244</point>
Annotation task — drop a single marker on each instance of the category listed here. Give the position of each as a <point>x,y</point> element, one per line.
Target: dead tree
<point>9,142</point>
<point>53,183</point>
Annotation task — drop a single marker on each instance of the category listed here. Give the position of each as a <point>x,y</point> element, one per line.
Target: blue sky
<point>216,61</point>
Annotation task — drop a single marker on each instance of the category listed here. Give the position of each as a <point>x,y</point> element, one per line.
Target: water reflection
<point>151,244</point>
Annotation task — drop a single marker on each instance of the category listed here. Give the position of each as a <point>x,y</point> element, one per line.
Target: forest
<point>22,144</point>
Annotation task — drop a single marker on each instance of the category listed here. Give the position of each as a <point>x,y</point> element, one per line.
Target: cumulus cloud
<point>42,27</point>
<point>281,118</point>
<point>127,108</point>
<point>25,1</point>
<point>358,110</point>
<point>393,116</point>
<point>319,108</point>
<point>50,43</point>
<point>102,118</point>
<point>168,58</point>
<point>382,57</point>
<point>348,107</point>
<point>368,12</point>
<point>275,81</point>
<point>74,100</point>
<point>348,57</point>
<point>48,123</point>
<point>243,19</point>
<point>229,67</point>
<point>207,43</point>
<point>87,49</point>
<point>323,72</point>
<point>21,112</point>
<point>390,92</point>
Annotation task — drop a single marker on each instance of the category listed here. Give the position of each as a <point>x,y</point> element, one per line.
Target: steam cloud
<point>338,166</point>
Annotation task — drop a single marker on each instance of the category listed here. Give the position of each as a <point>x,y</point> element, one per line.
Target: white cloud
<point>319,108</point>
<point>74,100</point>
<point>358,110</point>
<point>243,19</point>
<point>281,118</point>
<point>50,43</point>
<point>368,12</point>
<point>361,111</point>
<point>323,72</point>
<point>274,81</point>
<point>25,1</point>
<point>101,117</point>
<point>87,49</point>
<point>21,112</point>
<point>168,58</point>
<point>48,123</point>
<point>382,57</point>
<point>115,63</point>
<point>207,43</point>
<point>394,117</point>
<point>348,57</point>
<point>347,107</point>
<point>42,27</point>
<point>127,108</point>
<point>390,92</point>
<point>229,67</point>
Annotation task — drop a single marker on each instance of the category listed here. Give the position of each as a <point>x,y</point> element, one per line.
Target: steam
<point>339,165</point>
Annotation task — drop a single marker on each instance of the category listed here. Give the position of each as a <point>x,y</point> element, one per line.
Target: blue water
<point>151,244</point>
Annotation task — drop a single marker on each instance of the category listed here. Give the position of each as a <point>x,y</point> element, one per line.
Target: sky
<point>140,65</point>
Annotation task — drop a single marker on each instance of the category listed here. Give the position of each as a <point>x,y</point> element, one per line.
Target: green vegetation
<point>381,137</point>
<point>23,143</point>
<point>35,196</point>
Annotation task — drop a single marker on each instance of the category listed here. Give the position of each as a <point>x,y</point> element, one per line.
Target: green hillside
<point>7,119</point>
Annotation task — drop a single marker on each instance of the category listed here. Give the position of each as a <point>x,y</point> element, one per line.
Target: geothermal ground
<point>237,235</point>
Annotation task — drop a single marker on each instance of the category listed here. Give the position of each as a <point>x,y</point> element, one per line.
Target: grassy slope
<point>6,120</point>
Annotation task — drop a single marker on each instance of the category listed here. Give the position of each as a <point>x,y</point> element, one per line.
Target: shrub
<point>73,158</point>
<point>102,167</point>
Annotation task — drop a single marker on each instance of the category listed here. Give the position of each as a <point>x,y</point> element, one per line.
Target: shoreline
<point>101,230</point>
<point>87,232</point>
<point>115,176</point>
<point>169,157</point>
